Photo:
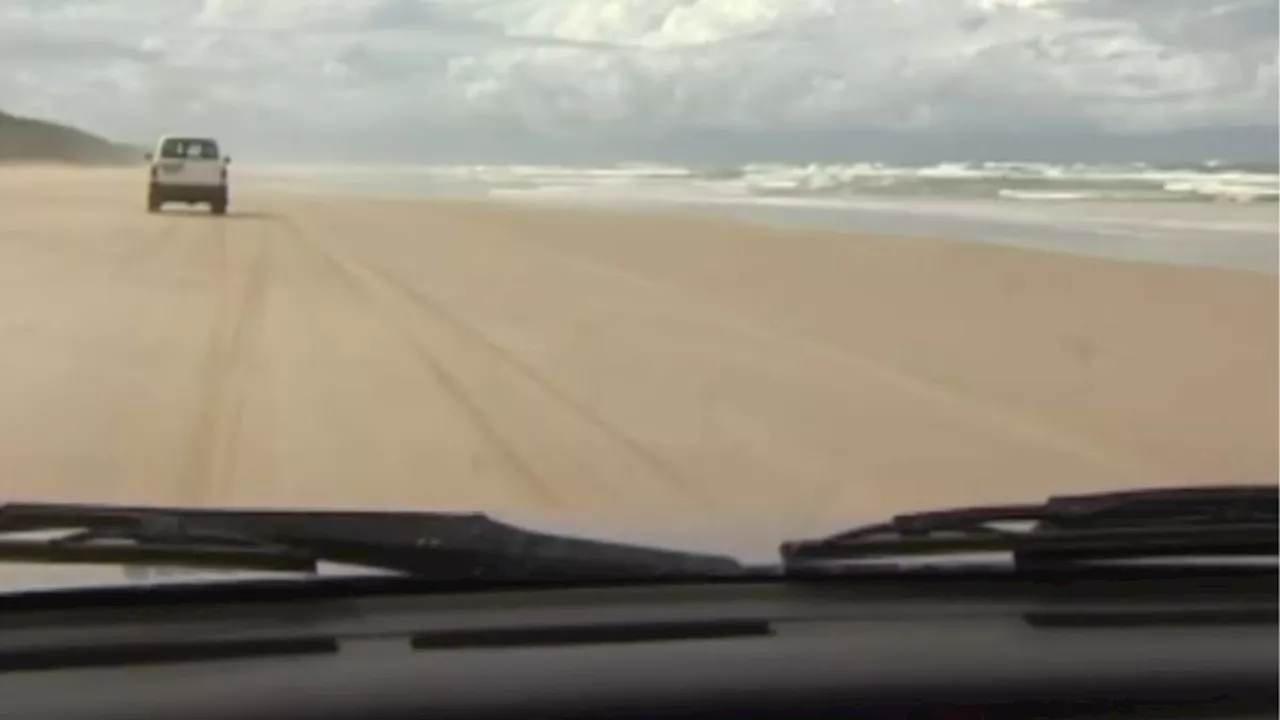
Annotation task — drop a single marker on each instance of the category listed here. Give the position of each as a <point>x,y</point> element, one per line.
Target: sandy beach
<point>675,379</point>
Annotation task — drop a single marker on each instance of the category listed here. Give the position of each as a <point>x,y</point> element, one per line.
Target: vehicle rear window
<point>189,149</point>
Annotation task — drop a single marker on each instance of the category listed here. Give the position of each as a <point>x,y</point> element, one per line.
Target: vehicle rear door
<point>189,161</point>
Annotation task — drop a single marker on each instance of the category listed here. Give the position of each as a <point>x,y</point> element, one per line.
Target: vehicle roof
<point>198,138</point>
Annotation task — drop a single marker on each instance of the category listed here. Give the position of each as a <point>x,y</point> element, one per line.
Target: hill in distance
<point>28,140</point>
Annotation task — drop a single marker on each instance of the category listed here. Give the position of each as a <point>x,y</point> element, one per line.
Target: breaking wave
<point>1008,181</point>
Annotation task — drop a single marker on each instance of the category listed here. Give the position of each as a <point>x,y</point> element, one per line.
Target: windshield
<point>696,274</point>
<point>189,149</point>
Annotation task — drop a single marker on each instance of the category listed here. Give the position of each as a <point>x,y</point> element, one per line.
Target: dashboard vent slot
<point>1149,617</point>
<point>593,634</point>
<point>167,653</point>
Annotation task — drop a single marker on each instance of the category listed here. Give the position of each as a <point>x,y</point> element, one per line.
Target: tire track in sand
<point>447,381</point>
<point>537,465</point>
<point>151,246</point>
<point>964,406</point>
<point>241,270</point>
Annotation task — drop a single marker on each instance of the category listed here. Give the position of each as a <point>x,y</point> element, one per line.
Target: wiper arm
<point>432,545</point>
<point>1239,521</point>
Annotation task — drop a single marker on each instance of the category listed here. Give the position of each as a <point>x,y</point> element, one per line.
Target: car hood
<point>23,578</point>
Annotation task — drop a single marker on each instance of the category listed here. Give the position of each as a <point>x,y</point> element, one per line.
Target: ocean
<point>1207,214</point>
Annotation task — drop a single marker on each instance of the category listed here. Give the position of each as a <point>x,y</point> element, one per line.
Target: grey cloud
<point>566,69</point>
<point>32,47</point>
<point>1192,24</point>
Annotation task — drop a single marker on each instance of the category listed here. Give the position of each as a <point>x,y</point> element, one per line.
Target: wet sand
<point>674,379</point>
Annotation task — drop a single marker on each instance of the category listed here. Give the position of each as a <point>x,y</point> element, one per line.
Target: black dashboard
<point>1090,645</point>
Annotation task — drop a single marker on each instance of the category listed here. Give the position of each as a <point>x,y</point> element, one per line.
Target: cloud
<point>596,70</point>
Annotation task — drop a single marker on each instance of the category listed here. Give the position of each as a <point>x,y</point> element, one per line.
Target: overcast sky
<point>467,74</point>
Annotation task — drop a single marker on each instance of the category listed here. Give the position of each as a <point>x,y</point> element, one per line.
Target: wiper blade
<point>431,545</point>
<point>1239,521</point>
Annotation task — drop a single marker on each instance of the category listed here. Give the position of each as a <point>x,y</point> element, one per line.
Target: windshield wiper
<point>431,545</point>
<point>1233,521</point>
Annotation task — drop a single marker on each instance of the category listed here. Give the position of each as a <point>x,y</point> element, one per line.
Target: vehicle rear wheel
<point>218,208</point>
<point>153,204</point>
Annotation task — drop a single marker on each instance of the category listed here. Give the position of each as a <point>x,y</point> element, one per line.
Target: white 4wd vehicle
<point>188,170</point>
